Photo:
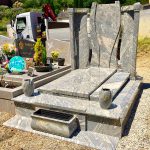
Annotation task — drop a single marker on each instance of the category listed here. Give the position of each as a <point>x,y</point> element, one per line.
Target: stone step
<point>97,140</point>
<point>85,138</point>
<point>114,83</point>
<point>111,121</point>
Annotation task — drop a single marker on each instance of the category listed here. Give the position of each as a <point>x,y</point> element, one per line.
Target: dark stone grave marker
<point>25,48</point>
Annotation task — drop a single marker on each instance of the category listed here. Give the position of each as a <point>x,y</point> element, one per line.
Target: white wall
<point>144,27</point>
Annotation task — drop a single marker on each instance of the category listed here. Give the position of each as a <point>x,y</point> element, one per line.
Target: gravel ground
<point>136,135</point>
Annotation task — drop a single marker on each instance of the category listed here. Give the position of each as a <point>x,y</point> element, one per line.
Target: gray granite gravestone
<point>109,24</point>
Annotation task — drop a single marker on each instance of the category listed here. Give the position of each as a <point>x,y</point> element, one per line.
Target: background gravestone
<point>25,48</point>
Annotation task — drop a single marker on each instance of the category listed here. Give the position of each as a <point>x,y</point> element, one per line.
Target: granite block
<point>79,83</point>
<point>105,32</point>
<point>24,109</point>
<point>107,129</point>
<point>83,59</point>
<point>84,107</point>
<point>82,121</point>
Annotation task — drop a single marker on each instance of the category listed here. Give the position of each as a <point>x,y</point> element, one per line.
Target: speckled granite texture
<point>79,83</point>
<point>90,139</point>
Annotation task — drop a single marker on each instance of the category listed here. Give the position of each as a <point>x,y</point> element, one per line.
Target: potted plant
<point>9,50</point>
<point>40,57</point>
<point>55,55</point>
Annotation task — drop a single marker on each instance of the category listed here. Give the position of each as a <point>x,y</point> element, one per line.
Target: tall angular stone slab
<point>130,26</point>
<point>106,22</point>
<point>79,38</point>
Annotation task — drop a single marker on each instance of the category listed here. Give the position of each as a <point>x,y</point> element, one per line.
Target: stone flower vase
<point>28,87</point>
<point>105,98</point>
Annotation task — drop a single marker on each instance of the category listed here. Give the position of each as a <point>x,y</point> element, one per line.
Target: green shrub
<point>40,53</point>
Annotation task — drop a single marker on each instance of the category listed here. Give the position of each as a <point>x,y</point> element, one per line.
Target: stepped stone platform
<point>90,139</point>
<point>72,98</point>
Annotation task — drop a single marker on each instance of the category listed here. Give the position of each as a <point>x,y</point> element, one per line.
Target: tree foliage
<point>59,5</point>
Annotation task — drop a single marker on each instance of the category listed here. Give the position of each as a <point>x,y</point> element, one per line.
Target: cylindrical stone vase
<point>105,98</point>
<point>28,87</point>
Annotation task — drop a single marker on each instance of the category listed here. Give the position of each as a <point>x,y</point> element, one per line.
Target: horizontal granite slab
<point>97,140</point>
<point>57,102</point>
<point>79,83</point>
<point>86,138</point>
<point>114,83</point>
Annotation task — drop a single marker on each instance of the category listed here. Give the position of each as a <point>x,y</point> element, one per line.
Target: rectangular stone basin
<point>54,122</point>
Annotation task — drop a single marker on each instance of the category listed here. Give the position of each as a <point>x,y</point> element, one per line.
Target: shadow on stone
<point>133,112</point>
<point>145,86</point>
<point>113,106</point>
<point>37,93</point>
